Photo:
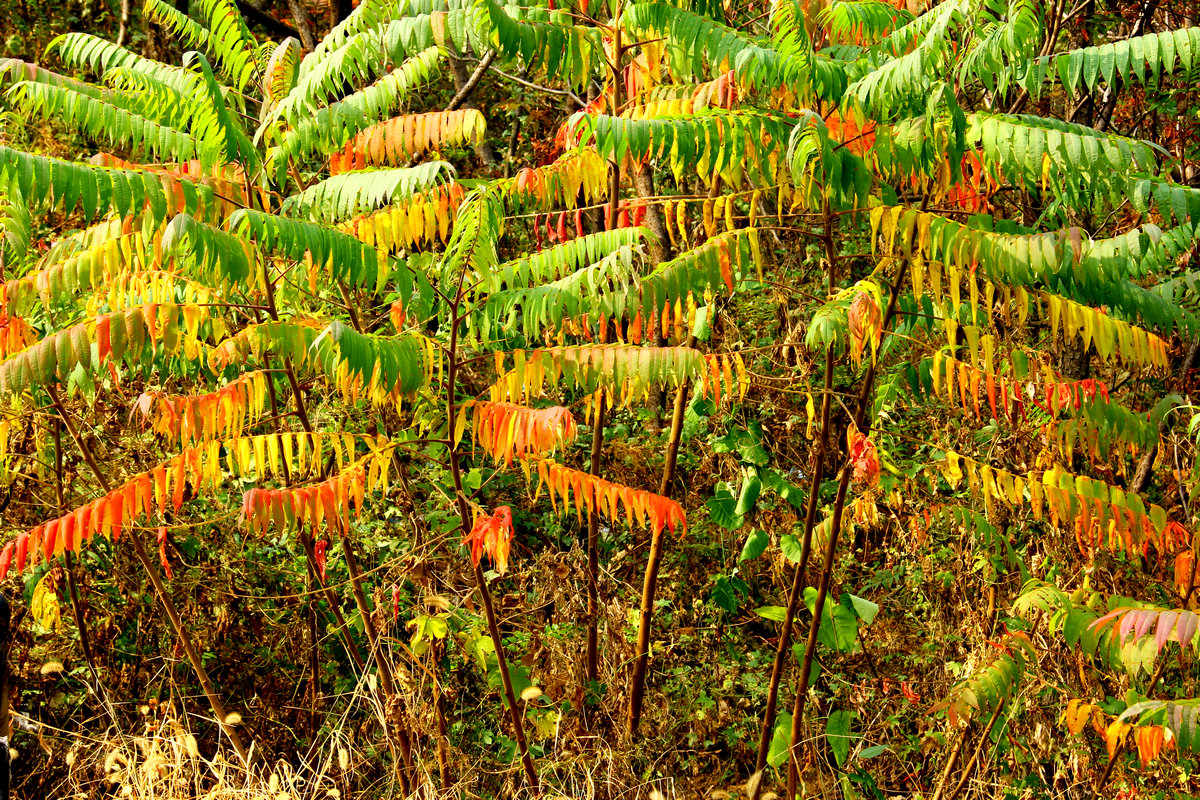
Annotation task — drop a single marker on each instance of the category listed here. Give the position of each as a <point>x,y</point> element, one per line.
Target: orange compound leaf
<point>866,325</point>
<point>394,141</point>
<point>142,497</point>
<point>492,535</point>
<point>331,501</point>
<point>221,414</point>
<point>507,430</point>
<point>596,494</point>
<point>15,335</point>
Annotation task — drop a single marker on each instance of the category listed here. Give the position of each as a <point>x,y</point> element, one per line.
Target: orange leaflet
<point>15,335</point>
<point>596,493</point>
<point>493,535</point>
<point>507,430</point>
<point>1152,740</point>
<point>857,134</point>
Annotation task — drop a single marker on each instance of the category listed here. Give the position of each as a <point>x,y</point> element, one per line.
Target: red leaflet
<point>22,550</point>
<point>162,552</point>
<point>492,535</point>
<point>319,547</point>
<point>863,457</point>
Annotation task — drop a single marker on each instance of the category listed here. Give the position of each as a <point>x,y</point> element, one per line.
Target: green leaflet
<point>216,255</point>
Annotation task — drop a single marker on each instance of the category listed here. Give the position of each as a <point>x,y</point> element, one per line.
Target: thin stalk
<point>160,591</point>
<point>593,553</point>
<point>356,580</point>
<point>5,643</point>
<point>783,646</point>
<point>464,512</point>
<point>386,681</point>
<point>637,681</point>
<point>983,740</point>
<point>839,506</point>
<point>955,754</point>
<point>85,639</point>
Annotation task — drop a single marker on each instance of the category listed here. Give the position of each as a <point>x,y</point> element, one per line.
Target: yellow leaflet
<point>810,408</point>
<point>917,266</point>
<point>273,455</point>
<point>260,454</point>
<point>951,470</point>
<point>244,455</point>
<point>289,450</point>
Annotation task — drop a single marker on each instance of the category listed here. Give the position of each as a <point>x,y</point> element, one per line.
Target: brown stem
<point>835,525</point>
<point>85,639</point>
<point>439,705</point>
<point>464,512</point>
<point>465,90</point>
<point>643,181</point>
<point>955,754</point>
<point>637,681</point>
<point>983,740</point>
<point>334,606</point>
<point>303,24</point>
<point>160,591</point>
<point>593,553</point>
<point>382,666</point>
<point>5,643</point>
<point>1109,102</point>
<point>783,646</point>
